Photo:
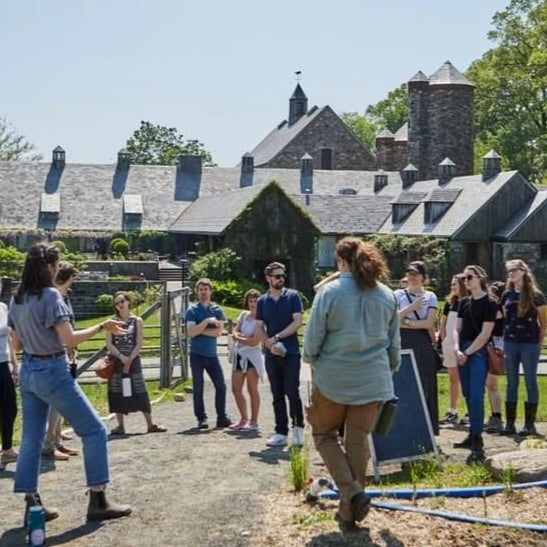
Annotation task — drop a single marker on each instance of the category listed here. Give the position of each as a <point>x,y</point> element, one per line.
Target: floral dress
<point>139,400</point>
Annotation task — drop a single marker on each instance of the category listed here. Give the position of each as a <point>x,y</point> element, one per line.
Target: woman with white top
<point>417,314</point>
<point>248,363</point>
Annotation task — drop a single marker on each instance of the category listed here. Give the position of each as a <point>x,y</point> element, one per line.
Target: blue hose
<point>469,492</point>
<point>460,518</point>
<point>419,493</point>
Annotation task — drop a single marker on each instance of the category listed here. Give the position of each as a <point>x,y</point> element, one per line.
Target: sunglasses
<point>119,301</point>
<point>279,276</point>
<point>469,277</point>
<point>513,270</point>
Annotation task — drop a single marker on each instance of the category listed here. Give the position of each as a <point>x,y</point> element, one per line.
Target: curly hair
<point>366,262</point>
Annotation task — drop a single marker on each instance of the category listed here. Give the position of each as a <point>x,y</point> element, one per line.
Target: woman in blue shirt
<point>352,343</point>
<point>40,320</point>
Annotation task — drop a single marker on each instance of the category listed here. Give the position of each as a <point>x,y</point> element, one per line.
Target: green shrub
<point>119,246</point>
<point>105,304</point>
<point>222,265</point>
<point>11,262</point>
<point>2,246</point>
<point>60,245</point>
<point>230,293</point>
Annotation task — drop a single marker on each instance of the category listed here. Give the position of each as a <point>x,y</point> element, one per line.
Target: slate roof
<point>212,214</point>
<point>447,74</point>
<point>473,194</point>
<point>409,197</point>
<point>519,220</point>
<point>402,133</point>
<point>95,197</point>
<point>277,139</point>
<point>346,214</point>
<point>91,197</point>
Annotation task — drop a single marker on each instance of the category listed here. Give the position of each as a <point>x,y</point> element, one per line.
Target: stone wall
<point>327,130</point>
<point>84,293</point>
<point>125,267</point>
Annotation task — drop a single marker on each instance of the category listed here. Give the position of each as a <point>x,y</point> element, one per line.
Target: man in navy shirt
<point>204,324</point>
<point>279,316</point>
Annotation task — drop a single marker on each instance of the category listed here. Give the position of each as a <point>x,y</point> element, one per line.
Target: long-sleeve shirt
<point>352,341</point>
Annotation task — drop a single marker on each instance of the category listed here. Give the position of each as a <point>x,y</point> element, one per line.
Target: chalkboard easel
<point>411,435</point>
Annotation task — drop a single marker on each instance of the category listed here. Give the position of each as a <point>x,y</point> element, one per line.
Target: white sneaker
<point>298,436</point>
<point>277,440</point>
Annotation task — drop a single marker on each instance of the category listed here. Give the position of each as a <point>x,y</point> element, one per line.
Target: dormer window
<point>401,211</point>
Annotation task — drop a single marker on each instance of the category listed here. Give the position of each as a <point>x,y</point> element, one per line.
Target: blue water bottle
<point>36,526</point>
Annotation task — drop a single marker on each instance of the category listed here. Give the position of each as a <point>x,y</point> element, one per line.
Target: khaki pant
<point>53,435</point>
<point>347,468</point>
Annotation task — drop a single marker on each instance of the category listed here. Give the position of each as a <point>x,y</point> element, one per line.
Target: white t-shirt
<point>403,302</point>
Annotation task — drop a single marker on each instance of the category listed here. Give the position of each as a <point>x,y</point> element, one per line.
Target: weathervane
<point>298,74</point>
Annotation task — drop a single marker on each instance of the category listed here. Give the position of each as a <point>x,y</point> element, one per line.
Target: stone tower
<point>440,121</point>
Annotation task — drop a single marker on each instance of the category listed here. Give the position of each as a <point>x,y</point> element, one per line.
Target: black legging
<point>8,406</point>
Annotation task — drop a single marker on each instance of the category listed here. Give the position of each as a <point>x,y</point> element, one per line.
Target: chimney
<point>124,160</point>
<point>188,179</point>
<point>247,169</point>
<point>306,174</point>
<point>58,157</point>
<point>409,175</point>
<point>380,180</point>
<point>491,165</point>
<point>446,171</point>
<point>307,197</point>
<point>189,165</point>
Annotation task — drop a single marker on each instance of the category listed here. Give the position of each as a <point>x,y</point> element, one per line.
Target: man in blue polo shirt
<point>204,324</point>
<point>279,316</point>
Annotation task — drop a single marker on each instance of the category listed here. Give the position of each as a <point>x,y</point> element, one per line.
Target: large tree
<point>159,145</point>
<point>389,113</point>
<point>15,147</point>
<point>511,89</point>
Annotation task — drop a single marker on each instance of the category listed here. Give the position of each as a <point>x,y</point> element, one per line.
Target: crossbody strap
<point>411,301</point>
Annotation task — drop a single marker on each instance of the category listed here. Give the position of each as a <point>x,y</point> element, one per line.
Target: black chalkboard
<point>411,436</point>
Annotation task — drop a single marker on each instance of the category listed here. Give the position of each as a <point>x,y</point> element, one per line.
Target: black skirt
<point>139,400</point>
<point>419,341</point>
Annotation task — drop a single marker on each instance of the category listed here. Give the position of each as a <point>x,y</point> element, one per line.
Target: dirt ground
<point>217,488</point>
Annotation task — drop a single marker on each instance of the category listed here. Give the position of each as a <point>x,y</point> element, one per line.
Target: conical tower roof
<point>447,74</point>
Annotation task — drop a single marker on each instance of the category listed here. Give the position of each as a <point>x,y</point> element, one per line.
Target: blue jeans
<point>46,382</point>
<point>284,377</point>
<point>528,355</point>
<point>199,364</point>
<point>473,382</point>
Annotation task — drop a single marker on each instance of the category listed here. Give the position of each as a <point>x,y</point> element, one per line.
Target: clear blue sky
<point>83,73</point>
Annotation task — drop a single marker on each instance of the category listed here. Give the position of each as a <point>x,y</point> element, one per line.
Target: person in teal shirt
<point>352,342</point>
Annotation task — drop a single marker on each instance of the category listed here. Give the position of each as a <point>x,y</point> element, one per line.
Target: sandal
<point>239,426</point>
<point>119,430</point>
<point>155,428</point>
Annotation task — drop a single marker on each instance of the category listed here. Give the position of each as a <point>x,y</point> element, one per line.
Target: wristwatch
<point>406,321</point>
<point>276,337</point>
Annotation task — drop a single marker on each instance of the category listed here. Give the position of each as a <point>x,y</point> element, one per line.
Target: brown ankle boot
<point>100,508</point>
<point>34,499</point>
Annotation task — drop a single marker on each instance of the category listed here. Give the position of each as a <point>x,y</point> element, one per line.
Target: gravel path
<point>187,487</point>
